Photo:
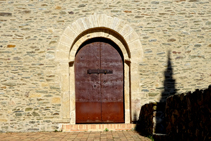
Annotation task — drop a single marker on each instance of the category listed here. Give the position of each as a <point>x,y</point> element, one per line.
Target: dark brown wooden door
<point>99,84</point>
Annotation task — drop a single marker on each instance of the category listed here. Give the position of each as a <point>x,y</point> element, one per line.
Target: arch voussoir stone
<point>70,32</point>
<point>126,30</point>
<point>87,21</point>
<point>131,37</point>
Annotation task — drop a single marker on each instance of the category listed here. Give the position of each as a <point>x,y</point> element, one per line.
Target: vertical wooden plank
<point>112,85</point>
<point>88,98</point>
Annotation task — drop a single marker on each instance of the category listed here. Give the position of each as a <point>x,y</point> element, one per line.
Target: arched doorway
<point>83,29</point>
<point>99,82</point>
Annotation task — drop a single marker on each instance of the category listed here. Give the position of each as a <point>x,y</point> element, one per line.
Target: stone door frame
<point>82,30</point>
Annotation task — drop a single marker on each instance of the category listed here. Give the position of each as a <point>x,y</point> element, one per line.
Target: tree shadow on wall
<point>144,124</point>
<point>169,89</point>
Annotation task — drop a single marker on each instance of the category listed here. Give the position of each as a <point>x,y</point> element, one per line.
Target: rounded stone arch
<point>87,28</point>
<point>100,32</point>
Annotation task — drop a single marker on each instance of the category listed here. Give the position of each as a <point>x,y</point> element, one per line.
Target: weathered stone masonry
<point>32,85</point>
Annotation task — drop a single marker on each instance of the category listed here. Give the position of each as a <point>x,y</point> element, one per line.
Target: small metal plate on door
<point>99,71</point>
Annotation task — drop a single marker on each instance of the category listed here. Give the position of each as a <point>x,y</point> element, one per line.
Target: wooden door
<point>99,84</point>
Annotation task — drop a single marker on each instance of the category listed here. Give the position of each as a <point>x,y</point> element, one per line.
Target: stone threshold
<point>97,127</point>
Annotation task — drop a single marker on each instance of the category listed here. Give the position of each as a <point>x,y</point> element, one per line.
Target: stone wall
<point>30,86</point>
<point>188,116</point>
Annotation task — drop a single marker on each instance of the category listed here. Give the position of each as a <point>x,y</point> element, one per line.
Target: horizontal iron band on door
<point>97,71</point>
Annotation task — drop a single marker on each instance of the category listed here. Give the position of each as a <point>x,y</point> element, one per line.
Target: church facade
<point>72,62</point>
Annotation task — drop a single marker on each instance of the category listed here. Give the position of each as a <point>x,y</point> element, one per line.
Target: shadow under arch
<point>102,39</point>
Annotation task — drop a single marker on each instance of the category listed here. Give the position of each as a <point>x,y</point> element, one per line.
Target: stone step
<point>97,127</point>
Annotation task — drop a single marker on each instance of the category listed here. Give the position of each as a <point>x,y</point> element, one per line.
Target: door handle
<point>99,71</point>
